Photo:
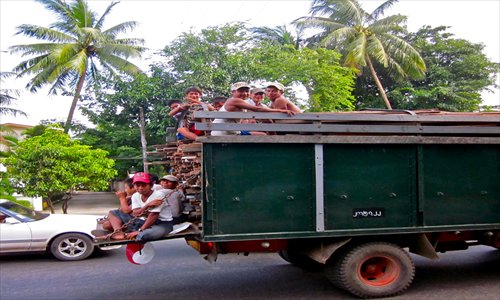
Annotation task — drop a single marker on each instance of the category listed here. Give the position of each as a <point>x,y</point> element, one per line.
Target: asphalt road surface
<point>178,272</point>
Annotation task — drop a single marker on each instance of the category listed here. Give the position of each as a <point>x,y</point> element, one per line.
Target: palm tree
<point>75,47</point>
<point>365,38</point>
<point>278,35</point>
<point>7,97</point>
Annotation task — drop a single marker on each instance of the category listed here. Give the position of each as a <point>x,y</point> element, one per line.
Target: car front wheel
<point>71,246</point>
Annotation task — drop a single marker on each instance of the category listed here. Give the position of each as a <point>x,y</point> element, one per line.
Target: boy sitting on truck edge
<point>186,124</point>
<point>117,217</point>
<point>218,102</point>
<point>174,197</point>
<point>158,221</point>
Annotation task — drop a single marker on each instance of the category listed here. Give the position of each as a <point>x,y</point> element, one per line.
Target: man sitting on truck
<point>218,102</point>
<point>117,217</point>
<point>186,125</point>
<point>154,217</point>
<point>174,197</point>
<point>240,91</point>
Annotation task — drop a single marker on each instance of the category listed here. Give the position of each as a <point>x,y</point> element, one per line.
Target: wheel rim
<point>379,271</point>
<point>72,247</point>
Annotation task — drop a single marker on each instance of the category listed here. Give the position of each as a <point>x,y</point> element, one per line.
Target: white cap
<point>239,85</point>
<point>170,178</point>
<point>277,85</point>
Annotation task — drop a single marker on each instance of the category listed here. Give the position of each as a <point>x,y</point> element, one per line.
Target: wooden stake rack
<point>385,126</point>
<point>384,122</point>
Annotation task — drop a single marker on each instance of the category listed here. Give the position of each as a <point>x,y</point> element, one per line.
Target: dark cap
<point>170,102</point>
<point>219,99</point>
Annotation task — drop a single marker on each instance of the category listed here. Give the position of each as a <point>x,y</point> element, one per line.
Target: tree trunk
<point>143,140</point>
<point>378,83</point>
<point>49,203</point>
<point>76,97</point>
<point>66,198</point>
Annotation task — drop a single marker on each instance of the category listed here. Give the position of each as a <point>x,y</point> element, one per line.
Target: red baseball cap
<point>141,177</point>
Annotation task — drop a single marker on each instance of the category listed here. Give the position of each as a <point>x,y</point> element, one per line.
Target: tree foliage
<point>327,83</point>
<point>278,36</point>
<point>365,38</point>
<point>458,71</point>
<point>50,164</point>
<point>8,97</point>
<point>75,47</point>
<point>212,59</point>
<point>116,116</point>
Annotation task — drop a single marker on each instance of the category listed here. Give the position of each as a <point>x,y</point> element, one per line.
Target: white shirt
<point>175,200</point>
<point>163,209</point>
<point>250,101</point>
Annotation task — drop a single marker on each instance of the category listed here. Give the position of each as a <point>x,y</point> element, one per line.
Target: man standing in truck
<point>274,91</point>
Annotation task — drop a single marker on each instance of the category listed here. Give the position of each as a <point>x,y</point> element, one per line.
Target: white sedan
<point>67,237</point>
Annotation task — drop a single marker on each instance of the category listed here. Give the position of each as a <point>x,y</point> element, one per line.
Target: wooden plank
<point>493,117</point>
<point>338,128</point>
<point>158,163</point>
<point>349,139</point>
<point>191,147</point>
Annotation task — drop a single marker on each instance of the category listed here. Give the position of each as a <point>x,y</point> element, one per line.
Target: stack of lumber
<point>158,157</point>
<point>185,162</point>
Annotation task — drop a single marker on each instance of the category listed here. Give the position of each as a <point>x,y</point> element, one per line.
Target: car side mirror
<point>11,220</point>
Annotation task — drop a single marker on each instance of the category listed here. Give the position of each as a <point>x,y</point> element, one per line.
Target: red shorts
<point>195,131</point>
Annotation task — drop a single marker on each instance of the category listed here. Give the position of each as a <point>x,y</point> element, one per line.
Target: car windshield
<point>20,212</point>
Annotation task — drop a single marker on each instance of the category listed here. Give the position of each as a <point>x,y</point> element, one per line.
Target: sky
<point>161,21</point>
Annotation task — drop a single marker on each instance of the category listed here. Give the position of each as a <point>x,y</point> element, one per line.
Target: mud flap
<point>322,253</point>
<point>424,247</point>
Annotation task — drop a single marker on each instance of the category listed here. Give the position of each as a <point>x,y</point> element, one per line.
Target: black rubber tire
<point>284,254</point>
<point>301,260</point>
<point>71,246</point>
<point>332,265</point>
<point>372,270</point>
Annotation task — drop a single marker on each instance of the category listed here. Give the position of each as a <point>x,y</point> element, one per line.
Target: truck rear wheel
<point>370,270</point>
<point>301,260</point>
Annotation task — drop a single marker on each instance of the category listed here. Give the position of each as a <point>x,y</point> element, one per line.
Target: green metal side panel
<point>461,184</point>
<point>369,186</point>
<point>258,188</point>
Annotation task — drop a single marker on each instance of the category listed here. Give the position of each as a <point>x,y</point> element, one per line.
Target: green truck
<point>350,193</point>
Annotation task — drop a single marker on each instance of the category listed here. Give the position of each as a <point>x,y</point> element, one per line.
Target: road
<point>178,272</point>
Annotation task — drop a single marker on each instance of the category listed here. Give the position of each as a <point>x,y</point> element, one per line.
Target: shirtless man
<point>241,91</point>
<point>274,92</point>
